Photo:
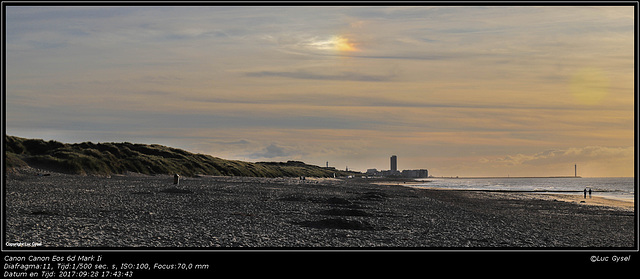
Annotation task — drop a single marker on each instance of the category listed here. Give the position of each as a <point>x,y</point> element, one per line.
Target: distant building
<point>372,172</point>
<point>421,173</point>
<point>393,172</point>
<point>394,163</point>
<point>390,173</point>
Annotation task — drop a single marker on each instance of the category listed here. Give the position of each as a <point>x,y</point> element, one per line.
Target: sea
<point>619,188</point>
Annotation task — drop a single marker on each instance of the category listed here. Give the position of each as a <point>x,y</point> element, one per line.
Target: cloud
<point>567,156</point>
<point>237,142</point>
<point>271,151</point>
<point>344,75</point>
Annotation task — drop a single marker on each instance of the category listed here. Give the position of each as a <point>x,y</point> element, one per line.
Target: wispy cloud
<point>270,152</point>
<point>600,154</point>
<point>347,76</point>
<point>589,159</point>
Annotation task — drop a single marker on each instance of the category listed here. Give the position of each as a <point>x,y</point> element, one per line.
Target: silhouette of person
<point>585,193</point>
<point>589,192</point>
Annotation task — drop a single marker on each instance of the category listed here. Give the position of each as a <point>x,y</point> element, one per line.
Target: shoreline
<point>594,200</point>
<point>504,177</point>
<point>625,204</point>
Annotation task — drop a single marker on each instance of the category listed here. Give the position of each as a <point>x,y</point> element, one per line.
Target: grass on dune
<point>119,158</point>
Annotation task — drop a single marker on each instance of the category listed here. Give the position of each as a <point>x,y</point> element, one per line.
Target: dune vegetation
<point>89,158</point>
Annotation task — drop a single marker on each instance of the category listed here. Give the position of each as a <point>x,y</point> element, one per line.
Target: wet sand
<point>274,213</point>
<point>593,200</point>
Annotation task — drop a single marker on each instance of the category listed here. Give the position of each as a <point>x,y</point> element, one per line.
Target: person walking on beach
<point>585,193</point>
<point>589,192</point>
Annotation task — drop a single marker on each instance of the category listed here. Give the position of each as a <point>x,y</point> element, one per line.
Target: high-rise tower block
<point>394,163</point>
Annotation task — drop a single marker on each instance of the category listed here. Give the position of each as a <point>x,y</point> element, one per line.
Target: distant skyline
<point>458,90</point>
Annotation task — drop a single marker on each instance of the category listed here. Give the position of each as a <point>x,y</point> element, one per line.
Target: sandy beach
<point>274,213</point>
<point>593,200</point>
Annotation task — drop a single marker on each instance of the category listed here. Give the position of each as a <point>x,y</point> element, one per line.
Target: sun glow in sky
<point>589,86</point>
<point>463,90</point>
<point>337,43</point>
<point>343,44</point>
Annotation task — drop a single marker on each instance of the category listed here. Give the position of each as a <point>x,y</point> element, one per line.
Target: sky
<point>459,90</point>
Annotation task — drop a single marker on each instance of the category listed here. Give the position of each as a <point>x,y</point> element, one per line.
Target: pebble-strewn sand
<point>148,211</point>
